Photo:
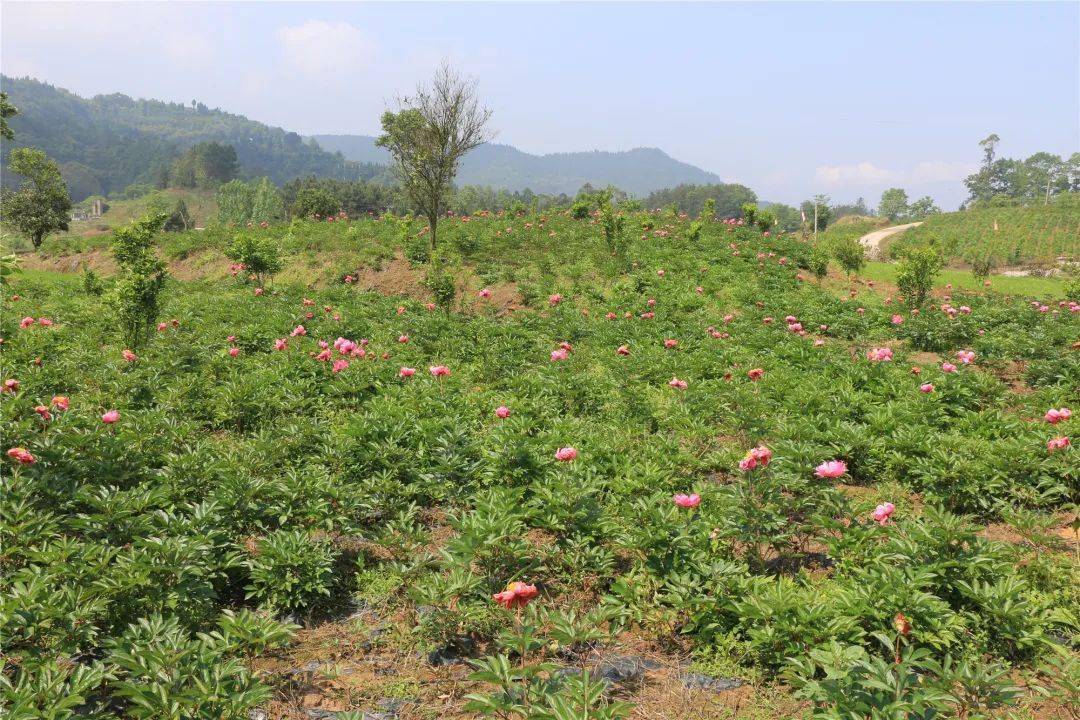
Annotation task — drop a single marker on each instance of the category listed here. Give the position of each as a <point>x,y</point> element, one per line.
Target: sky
<point>791,99</point>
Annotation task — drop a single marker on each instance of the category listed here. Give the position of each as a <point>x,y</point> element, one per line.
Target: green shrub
<point>916,272</point>
<point>290,570</point>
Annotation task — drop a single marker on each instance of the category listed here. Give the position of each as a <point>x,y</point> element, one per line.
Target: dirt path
<point>873,240</point>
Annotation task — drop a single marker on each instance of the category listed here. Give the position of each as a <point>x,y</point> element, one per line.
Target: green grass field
<point>1012,236</point>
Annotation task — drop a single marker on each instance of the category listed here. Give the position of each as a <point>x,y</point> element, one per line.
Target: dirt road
<point>872,240</point>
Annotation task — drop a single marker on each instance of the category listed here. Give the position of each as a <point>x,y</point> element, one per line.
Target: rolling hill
<point>638,171</point>
<point>107,142</point>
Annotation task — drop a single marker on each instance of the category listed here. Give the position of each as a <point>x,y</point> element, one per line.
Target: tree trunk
<point>36,238</point>
<point>433,224</point>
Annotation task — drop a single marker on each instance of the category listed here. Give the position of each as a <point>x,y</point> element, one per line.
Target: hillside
<point>1010,235</point>
<point>107,142</point>
<point>692,480</point>
<point>638,171</point>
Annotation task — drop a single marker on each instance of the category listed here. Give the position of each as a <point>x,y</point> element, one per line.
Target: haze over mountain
<point>107,142</point>
<point>638,171</point>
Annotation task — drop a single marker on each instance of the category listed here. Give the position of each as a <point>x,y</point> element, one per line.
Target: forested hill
<point>639,171</point>
<point>107,142</point>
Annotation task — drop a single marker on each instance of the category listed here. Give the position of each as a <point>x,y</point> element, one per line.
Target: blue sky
<point>789,98</point>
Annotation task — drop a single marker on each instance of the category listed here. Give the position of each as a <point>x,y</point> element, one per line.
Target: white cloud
<point>862,173</point>
<point>319,49</point>
<point>866,173</point>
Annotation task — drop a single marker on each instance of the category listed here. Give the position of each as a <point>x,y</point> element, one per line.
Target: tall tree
<point>894,203</point>
<point>923,207</point>
<point>268,205</point>
<point>41,205</point>
<point>428,136</point>
<point>824,211</point>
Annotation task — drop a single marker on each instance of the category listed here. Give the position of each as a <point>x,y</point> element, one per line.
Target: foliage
<point>314,203</point>
<point>268,204</point>
<point>134,298</point>
<point>41,205</point>
<point>850,253</point>
<point>289,570</point>
<point>236,200</point>
<point>727,199</point>
<point>259,254</point>
<point>429,135</point>
<point>180,219</point>
<point>894,204</point>
<point>916,272</point>
<point>205,165</point>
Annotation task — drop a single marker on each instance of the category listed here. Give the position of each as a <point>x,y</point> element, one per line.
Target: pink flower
<point>110,417</point>
<point>128,355</point>
<point>611,316</point>
<point>687,501</point>
<point>926,388</point>
<point>298,330</point>
<point>502,412</point>
<point>699,289</point>
<point>439,370</point>
<point>948,368</point>
<point>677,383</point>
<point>671,343</point>
<point>565,454</point>
<point>403,339</point>
<point>965,356</point>
<point>1058,443</point>
<point>26,322</point>
<point>882,512</point>
<point>11,385</point>
<point>660,273</point>
<point>61,402</point>
<point>755,374</point>
<point>43,412</point>
<point>234,351</point>
<point>281,344</point>
<point>623,350</point>
<point>516,594</point>
<point>485,293</point>
<point>162,327</point>
<point>21,456</point>
<point>339,365</point>
<point>831,469</point>
<point>1053,416</point>
<point>429,306</point>
<point>44,322</point>
<point>555,299</point>
<point>756,456</point>
<point>880,354</point>
<point>406,372</point>
<point>560,354</point>
<point>258,291</point>
<point>651,302</point>
<point>897,319</point>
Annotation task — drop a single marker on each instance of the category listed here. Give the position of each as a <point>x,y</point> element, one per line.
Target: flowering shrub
<point>782,479</point>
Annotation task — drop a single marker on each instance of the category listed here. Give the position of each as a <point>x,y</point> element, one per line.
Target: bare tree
<point>429,135</point>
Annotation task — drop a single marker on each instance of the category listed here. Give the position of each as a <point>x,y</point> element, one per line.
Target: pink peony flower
<point>879,354</point>
<point>43,412</point>
<point>439,370</point>
<point>897,319</point>
<point>516,594</point>
<point>485,293</point>
<point>677,383</point>
<point>623,350</point>
<point>926,388</point>
<point>298,330</point>
<point>555,299</point>
<point>502,412</point>
<point>403,339</point>
<point>11,385</point>
<point>1053,416</point>
<point>128,355</point>
<point>560,354</point>
<point>687,501</point>
<point>1058,443</point>
<point>831,469</point>
<point>965,356</point>
<point>948,368</point>
<point>21,456</point>
<point>339,365</point>
<point>565,454</point>
<point>281,344</point>
<point>26,322</point>
<point>882,512</point>
<point>162,327</point>
<point>755,374</point>
<point>406,372</point>
<point>110,417</point>
<point>671,343</point>
<point>757,456</point>
<point>61,402</point>
<point>234,351</point>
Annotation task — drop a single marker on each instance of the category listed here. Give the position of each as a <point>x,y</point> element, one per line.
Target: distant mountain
<point>638,171</point>
<point>107,142</point>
